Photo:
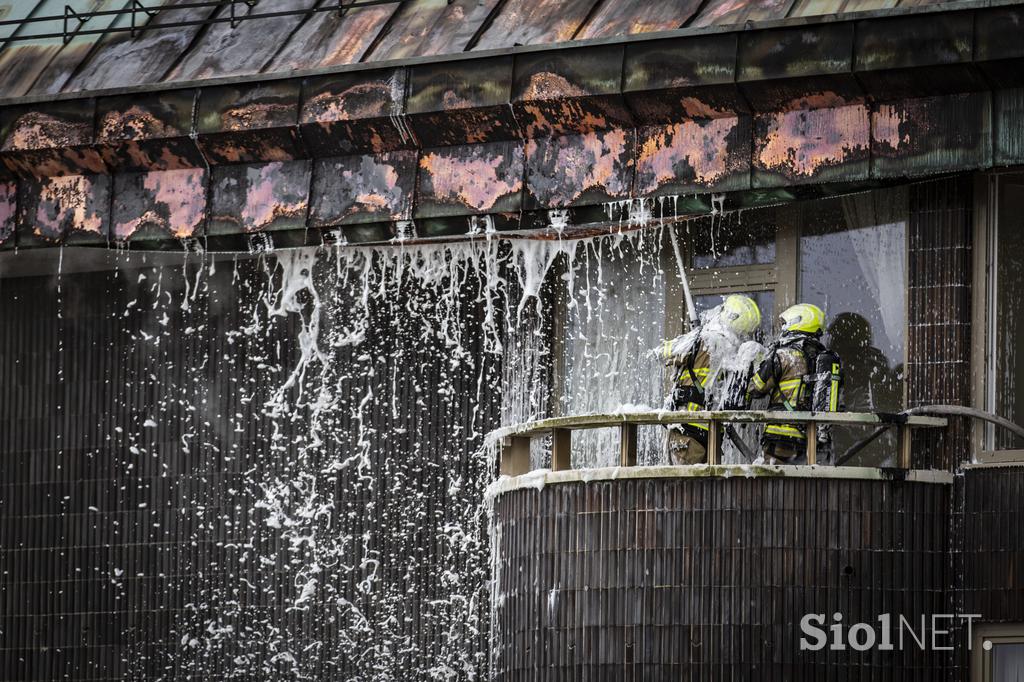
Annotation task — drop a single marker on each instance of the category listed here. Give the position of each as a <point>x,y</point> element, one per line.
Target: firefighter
<point>696,358</point>
<point>783,376</point>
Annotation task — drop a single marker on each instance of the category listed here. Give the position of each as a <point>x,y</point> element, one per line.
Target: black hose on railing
<point>939,410</point>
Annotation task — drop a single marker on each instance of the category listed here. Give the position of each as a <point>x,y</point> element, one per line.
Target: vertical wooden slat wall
<point>987,557</point>
<point>109,557</point>
<point>708,578</point>
<point>939,313</point>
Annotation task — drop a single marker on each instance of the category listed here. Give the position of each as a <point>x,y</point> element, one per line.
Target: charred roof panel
<point>533,22</point>
<point>426,27</point>
<point>454,29</point>
<point>354,112</point>
<point>628,17</point>
<point>223,50</point>
<point>120,60</point>
<point>462,102</point>
<point>332,39</point>
<point>148,132</point>
<point>22,62</point>
<point>732,12</point>
<point>174,40</point>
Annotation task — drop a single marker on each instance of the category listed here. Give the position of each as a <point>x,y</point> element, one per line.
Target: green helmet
<point>741,314</point>
<point>803,317</point>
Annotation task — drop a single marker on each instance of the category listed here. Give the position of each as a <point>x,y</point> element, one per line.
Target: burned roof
<point>63,46</point>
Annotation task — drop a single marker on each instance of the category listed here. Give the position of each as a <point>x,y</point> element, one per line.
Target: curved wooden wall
<point>708,578</point>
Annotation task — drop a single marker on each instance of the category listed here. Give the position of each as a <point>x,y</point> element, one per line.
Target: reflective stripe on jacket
<point>699,361</point>
<point>781,377</point>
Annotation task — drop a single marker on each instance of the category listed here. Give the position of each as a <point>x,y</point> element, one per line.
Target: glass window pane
<point>1008,308</point>
<point>1008,663</point>
<point>740,238</point>
<point>853,266</point>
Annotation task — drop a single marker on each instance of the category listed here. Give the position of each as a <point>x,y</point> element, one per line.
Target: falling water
<point>296,437</point>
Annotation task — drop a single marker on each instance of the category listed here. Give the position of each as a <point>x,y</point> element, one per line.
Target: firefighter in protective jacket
<point>694,366</point>
<point>783,376</point>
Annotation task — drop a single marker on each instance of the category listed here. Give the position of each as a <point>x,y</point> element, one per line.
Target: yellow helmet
<point>803,317</point>
<point>741,314</point>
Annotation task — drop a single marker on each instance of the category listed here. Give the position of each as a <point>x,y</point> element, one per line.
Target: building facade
<point>269,281</point>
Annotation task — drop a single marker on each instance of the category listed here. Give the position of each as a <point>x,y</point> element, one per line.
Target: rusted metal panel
<point>330,39</point>
<point>931,135</point>
<point>933,55</point>
<point>666,81</point>
<point>479,178</point>
<point>258,198</point>
<point>579,169</point>
<point>776,66</point>
<point>8,211</point>
<point>247,123</point>
<point>569,91</point>
<point>159,204</point>
<point>223,50</point>
<point>63,209</point>
<point>148,132</point>
<point>50,139</point>
<point>998,49</point>
<point>732,12</point>
<point>462,102</point>
<point>357,112</point>
<point>363,189</point>
<point>1008,126</point>
<point>121,59</point>
<point>820,138</point>
<point>637,16</point>
<point>694,156</point>
<point>531,22</point>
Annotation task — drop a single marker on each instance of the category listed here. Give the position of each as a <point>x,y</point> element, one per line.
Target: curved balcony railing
<point>515,440</point>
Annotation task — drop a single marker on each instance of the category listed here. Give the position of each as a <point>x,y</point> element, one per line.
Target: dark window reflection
<point>853,265</point>
<point>1008,308</point>
<point>734,239</point>
<point>1008,663</point>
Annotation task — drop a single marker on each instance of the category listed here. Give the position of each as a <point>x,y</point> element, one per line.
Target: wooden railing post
<point>714,449</point>
<point>515,456</point>
<point>903,452</point>
<point>812,443</point>
<point>561,449</point>
<point>627,445</point>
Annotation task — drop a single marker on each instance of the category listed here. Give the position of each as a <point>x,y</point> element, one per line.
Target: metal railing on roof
<point>515,440</point>
<point>73,22</point>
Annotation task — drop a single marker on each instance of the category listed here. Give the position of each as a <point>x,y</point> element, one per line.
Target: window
<point>998,653</point>
<point>622,297</point>
<point>847,255</point>
<point>852,264</point>
<point>1004,392</point>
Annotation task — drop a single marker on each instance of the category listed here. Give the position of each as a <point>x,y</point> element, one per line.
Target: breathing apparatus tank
<point>826,396</point>
<point>828,382</point>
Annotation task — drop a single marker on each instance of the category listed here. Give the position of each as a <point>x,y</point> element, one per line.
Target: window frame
<point>997,633</point>
<point>983,322</point>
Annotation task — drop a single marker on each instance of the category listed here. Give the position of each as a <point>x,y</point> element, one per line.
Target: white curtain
<point>877,237</point>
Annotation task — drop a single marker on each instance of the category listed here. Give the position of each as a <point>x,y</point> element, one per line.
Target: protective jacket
<point>691,377</point>
<point>782,377</point>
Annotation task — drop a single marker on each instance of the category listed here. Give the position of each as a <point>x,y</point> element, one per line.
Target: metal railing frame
<point>514,441</point>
